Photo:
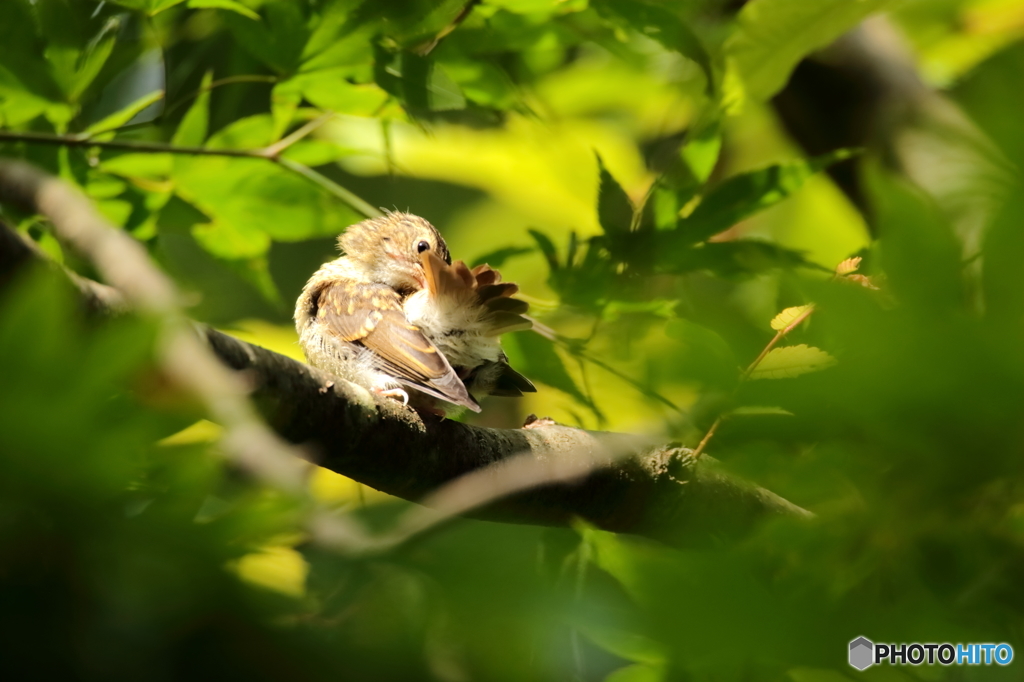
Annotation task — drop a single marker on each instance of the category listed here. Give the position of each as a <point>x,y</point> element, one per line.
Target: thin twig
<point>750,370</point>
<point>274,150</point>
<point>324,182</point>
<point>230,80</point>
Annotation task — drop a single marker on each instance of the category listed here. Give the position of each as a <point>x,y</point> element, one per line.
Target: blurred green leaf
<point>230,5</point>
<point>917,233</point>
<point>701,354</point>
<point>277,38</point>
<point>773,35</point>
<point>547,247</point>
<point>536,357</point>
<point>150,7</point>
<point>120,118</point>
<point>498,257</point>
<point>636,673</point>
<point>614,209</point>
<point>701,152</point>
<point>193,128</point>
<point>663,25</point>
<point>328,89</point>
<point>744,195</point>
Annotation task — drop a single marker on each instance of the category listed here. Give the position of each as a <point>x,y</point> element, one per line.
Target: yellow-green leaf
<point>789,315</point>
<point>229,5</point>
<point>120,118</point>
<point>792,361</point>
<point>759,411</point>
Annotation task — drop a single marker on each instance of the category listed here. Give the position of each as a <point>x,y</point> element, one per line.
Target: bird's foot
<point>394,393</point>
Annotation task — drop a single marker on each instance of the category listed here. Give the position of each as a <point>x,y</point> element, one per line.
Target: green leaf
<point>192,130</point>
<point>774,35</point>
<point>636,673</point>
<point>701,354</point>
<point>735,257</point>
<point>788,316</point>
<point>92,59</point>
<point>139,165</point>
<point>624,644</point>
<point>314,153</point>
<point>614,209</point>
<point>700,153</point>
<point>328,89</point>
<point>744,195</point>
<point>120,118</point>
<point>547,247</point>
<point>792,361</point>
<point>662,25</point>
<point>418,81</point>
<point>232,239</point>
<point>230,5</point>
<point>277,39</point>
<point>758,410</point>
<point>150,7</point>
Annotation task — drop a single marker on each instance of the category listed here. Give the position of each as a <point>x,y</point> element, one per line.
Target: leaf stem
<point>750,370</point>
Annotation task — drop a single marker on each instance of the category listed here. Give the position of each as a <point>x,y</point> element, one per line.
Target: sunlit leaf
<point>788,316</point>
<point>701,153</point>
<point>232,239</point>
<point>230,5</point>
<point>139,165</point>
<point>847,266</point>
<point>792,361</point>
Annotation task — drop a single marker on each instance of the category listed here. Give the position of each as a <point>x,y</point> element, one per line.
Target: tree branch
<point>546,474</point>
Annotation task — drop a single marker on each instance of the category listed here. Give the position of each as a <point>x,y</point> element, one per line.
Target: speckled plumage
<point>391,312</point>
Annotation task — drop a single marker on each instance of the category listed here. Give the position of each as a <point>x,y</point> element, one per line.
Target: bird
<point>394,314</point>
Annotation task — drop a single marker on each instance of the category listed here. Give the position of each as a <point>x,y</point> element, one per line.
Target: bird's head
<point>391,249</point>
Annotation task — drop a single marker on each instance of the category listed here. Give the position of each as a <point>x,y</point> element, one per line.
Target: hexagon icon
<point>862,653</point>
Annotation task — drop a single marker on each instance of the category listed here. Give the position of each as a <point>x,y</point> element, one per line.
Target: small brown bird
<point>394,312</point>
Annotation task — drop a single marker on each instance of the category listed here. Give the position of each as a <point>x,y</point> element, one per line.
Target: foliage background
<point>621,160</point>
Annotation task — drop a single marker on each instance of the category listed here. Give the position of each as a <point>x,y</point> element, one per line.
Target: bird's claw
<point>395,393</point>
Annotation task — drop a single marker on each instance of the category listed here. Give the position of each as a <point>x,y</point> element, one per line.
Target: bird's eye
<point>423,246</point>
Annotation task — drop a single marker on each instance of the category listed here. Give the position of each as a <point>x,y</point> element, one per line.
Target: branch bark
<point>616,482</point>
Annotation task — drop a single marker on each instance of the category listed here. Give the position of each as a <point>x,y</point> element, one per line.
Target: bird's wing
<point>371,315</point>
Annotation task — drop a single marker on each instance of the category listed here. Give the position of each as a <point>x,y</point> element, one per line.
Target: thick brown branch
<point>616,482</point>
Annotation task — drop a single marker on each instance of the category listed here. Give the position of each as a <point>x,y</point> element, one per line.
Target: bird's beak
<point>429,271</point>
